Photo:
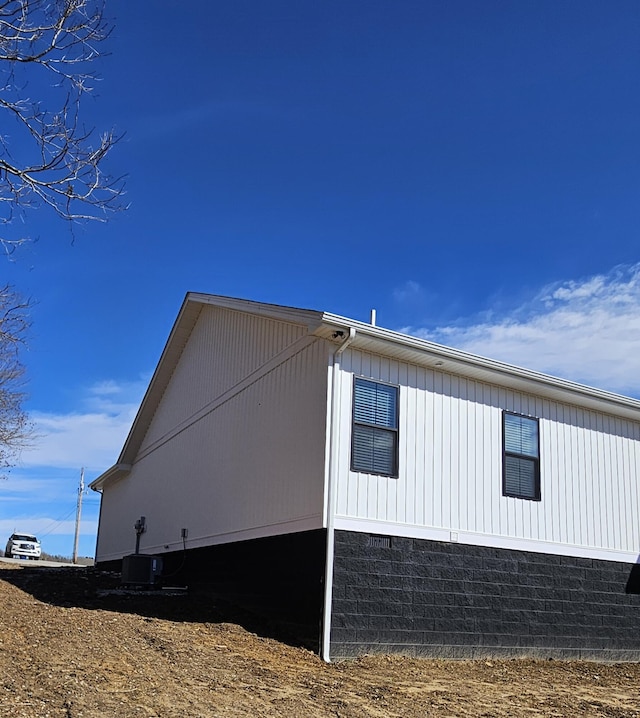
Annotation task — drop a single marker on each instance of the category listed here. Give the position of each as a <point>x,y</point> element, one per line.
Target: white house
<point>392,493</point>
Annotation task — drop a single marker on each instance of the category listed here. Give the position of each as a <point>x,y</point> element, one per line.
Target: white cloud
<point>587,331</point>
<point>92,437</point>
<point>89,440</point>
<point>107,387</point>
<point>20,484</point>
<point>43,526</point>
<point>40,494</point>
<point>410,291</point>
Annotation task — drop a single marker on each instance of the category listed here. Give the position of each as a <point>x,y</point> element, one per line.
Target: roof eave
<point>116,472</point>
<point>447,359</point>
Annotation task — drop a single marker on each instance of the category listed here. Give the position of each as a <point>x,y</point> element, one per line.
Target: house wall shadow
<point>633,582</point>
<point>272,587</point>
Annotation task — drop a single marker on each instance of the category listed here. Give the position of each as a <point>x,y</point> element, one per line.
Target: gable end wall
<point>236,450</point>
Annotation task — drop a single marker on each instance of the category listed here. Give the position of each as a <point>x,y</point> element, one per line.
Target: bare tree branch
<point>15,430</point>
<point>48,158</point>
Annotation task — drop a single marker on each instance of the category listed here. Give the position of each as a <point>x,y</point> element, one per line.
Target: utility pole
<point>78,515</point>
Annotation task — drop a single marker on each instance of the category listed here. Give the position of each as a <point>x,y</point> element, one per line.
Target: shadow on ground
<point>92,589</point>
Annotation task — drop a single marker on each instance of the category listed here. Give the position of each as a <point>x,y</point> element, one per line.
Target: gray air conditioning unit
<point>141,569</point>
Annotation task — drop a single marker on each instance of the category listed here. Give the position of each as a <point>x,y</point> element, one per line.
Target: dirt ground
<point>72,646</point>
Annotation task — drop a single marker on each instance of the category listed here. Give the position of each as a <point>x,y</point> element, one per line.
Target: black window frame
<point>393,431</point>
<point>535,460</point>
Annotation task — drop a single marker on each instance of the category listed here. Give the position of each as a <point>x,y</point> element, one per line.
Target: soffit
<point>413,350</point>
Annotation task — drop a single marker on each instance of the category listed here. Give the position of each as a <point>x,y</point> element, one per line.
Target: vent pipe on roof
<point>373,318</point>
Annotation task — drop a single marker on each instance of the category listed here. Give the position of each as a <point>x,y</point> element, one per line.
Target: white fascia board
<point>119,471</point>
<point>306,317</point>
<point>454,361</point>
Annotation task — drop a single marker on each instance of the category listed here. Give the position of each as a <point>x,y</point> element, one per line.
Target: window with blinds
<point>374,444</point>
<point>521,457</point>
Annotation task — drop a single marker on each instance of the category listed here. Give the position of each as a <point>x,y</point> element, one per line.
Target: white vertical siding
<point>450,444</point>
<point>252,465</point>
<point>225,346</point>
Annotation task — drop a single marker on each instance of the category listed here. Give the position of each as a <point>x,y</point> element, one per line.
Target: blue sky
<point>471,170</point>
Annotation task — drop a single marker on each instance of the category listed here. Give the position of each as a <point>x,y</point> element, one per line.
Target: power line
<point>56,522</point>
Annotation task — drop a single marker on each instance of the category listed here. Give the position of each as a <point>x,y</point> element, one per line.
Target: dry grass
<point>69,649</point>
